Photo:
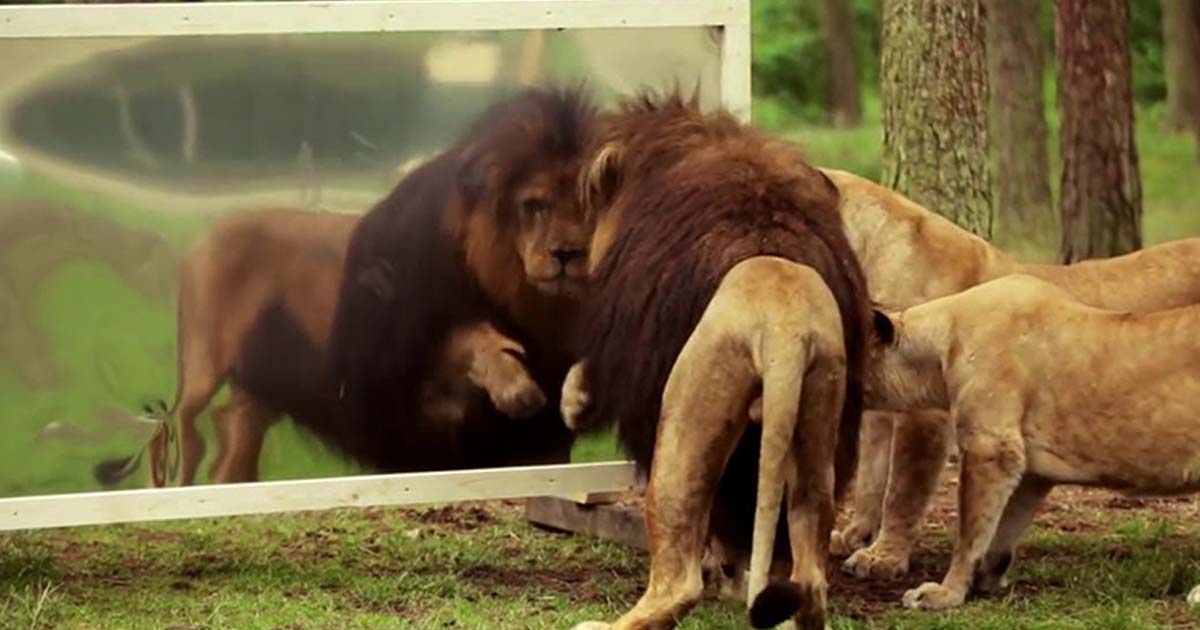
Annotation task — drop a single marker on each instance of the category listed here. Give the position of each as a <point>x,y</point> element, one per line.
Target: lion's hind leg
<point>704,415</point>
<point>242,425</point>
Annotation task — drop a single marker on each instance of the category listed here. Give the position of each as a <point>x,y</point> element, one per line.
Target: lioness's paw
<point>869,563</point>
<point>850,539</point>
<point>933,596</point>
<point>575,399</point>
<point>519,399</point>
<point>592,625</point>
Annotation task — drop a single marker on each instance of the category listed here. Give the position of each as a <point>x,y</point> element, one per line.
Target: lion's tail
<point>782,383</point>
<point>114,470</point>
<point>802,389</point>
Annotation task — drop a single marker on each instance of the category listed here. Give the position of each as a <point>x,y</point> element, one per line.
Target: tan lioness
<point>911,255</point>
<point>1045,390</point>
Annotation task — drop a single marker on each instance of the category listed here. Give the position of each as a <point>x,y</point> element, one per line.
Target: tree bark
<point>1101,199</point>
<point>1017,118</point>
<point>934,89</point>
<point>845,95</point>
<point>1181,58</point>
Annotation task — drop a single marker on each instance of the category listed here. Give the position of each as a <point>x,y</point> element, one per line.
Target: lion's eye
<point>533,207</point>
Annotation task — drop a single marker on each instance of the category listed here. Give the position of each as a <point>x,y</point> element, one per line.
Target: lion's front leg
<point>576,401</point>
<point>495,363</point>
<point>992,466</point>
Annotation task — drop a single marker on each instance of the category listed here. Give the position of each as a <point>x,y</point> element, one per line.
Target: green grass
<point>484,567</point>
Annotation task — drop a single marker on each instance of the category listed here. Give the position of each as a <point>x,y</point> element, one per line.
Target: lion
<point>251,261</point>
<point>719,262</point>
<point>1045,390</point>
<point>468,274</point>
<point>911,255</point>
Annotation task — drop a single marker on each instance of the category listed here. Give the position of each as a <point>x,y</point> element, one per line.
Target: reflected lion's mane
<point>438,252</point>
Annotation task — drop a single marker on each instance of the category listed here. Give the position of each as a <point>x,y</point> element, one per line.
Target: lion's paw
<point>519,398</point>
<point>868,563</point>
<point>933,596</point>
<point>592,625</point>
<point>575,398</point>
<point>1193,598</point>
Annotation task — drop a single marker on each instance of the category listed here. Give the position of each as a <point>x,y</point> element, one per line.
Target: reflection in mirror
<point>118,154</point>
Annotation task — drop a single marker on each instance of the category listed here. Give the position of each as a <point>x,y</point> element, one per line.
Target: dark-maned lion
<point>911,255</point>
<point>1044,390</point>
<point>251,262</point>
<point>721,275</point>
<point>489,230</point>
<point>480,246</point>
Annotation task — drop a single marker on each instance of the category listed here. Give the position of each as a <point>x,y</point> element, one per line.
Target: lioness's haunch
<point>1045,390</point>
<point>911,255</point>
<point>351,329</point>
<point>720,274</point>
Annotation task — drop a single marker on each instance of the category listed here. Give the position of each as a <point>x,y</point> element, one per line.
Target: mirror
<point>115,153</point>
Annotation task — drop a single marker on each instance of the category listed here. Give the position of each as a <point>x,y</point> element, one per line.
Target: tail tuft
<point>777,603</point>
<point>110,472</point>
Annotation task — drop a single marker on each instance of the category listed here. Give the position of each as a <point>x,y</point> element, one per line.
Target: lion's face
<point>551,234</point>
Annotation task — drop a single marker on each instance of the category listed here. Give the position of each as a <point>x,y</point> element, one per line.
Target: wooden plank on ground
<point>616,522</point>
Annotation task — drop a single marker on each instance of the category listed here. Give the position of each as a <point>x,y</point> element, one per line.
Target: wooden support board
<point>617,522</point>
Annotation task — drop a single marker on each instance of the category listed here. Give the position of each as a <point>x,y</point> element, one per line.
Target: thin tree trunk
<point>934,89</point>
<point>1101,199</point>
<point>845,96</point>
<point>1181,56</point>
<point>1017,118</point>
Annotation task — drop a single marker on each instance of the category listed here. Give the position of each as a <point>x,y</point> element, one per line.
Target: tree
<point>845,97</point>
<point>1181,59</point>
<point>1017,117</point>
<point>1101,197</point>
<point>934,90</point>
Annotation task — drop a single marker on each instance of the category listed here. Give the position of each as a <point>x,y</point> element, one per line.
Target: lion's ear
<point>885,328</point>
<point>602,177</point>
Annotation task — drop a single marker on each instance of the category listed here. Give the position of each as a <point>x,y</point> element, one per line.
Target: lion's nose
<point>566,255</point>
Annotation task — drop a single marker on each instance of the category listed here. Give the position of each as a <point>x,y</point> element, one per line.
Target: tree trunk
<point>1101,199</point>
<point>1017,118</point>
<point>934,89</point>
<point>1181,57</point>
<point>845,96</point>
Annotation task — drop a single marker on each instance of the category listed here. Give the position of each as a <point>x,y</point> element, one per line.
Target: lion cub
<point>1043,390</point>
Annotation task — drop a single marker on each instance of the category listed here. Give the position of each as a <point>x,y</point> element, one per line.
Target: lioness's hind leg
<point>993,462</point>
<point>241,428</point>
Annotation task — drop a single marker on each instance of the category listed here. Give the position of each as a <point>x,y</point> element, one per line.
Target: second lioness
<point>1045,390</point>
<point>911,255</point>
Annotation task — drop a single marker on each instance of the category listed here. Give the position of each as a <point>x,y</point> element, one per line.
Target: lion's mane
<point>435,253</point>
<point>696,194</point>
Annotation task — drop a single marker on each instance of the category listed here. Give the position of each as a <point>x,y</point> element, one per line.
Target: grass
<point>481,566</point>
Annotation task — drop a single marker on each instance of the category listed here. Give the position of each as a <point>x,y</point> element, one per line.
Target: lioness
<point>1045,390</point>
<point>911,255</point>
